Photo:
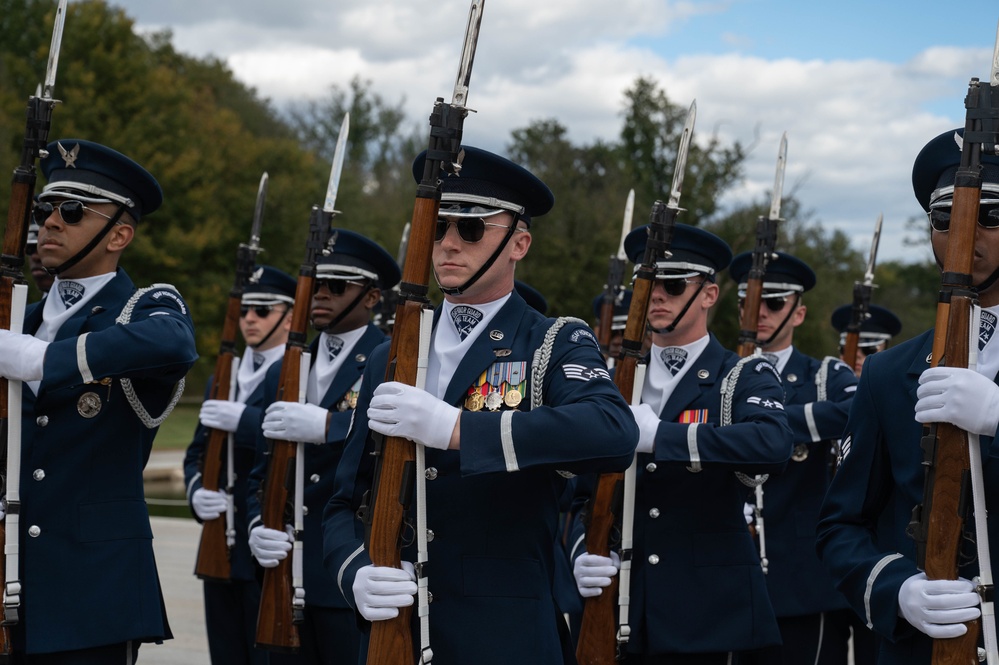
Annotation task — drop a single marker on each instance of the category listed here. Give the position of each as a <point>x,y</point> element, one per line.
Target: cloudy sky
<point>858,85</point>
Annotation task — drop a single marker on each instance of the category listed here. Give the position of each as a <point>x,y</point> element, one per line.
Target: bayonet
<point>400,258</point>
<point>258,213</point>
<point>873,257</point>
<point>54,48</point>
<point>629,213</point>
<point>778,191</point>
<point>681,158</point>
<point>994,79</point>
<point>460,97</point>
<point>337,167</point>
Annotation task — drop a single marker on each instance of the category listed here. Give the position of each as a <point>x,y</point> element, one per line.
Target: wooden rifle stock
<point>597,643</point>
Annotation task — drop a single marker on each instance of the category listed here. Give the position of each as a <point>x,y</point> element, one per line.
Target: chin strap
<point>457,291</point>
<point>90,245</point>
<point>346,310</point>
<point>797,302</point>
<point>268,335</point>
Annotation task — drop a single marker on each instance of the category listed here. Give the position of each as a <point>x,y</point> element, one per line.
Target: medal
<point>493,401</point>
<point>343,405</point>
<point>512,398</point>
<point>89,405</point>
<point>800,453</point>
<point>474,402</point>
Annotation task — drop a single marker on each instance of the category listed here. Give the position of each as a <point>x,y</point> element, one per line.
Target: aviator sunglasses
<point>865,350</point>
<point>676,287</point>
<point>470,229</point>
<point>262,311</point>
<point>71,211</point>
<point>337,287</point>
<point>988,218</point>
<point>775,304</point>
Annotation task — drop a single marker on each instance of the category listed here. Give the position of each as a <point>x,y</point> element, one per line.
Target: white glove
<point>938,608</point>
<point>400,410</point>
<point>209,504</point>
<point>594,572</point>
<point>648,424</point>
<point>962,397</point>
<point>269,546</point>
<point>221,414</point>
<point>749,512</point>
<point>23,356</point>
<point>291,421</point>
<point>379,591</point>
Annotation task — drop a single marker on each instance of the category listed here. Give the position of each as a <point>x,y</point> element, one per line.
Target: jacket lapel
<point>704,372</point>
<point>352,367</point>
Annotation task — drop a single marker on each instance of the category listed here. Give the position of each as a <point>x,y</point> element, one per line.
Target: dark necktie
<point>674,358</point>
<point>465,319</point>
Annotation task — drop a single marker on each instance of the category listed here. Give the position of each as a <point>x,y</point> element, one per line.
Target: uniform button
<point>650,467</point>
<point>654,559</point>
<point>314,478</point>
<point>430,535</point>
<point>38,474</point>
<point>654,513</point>
<point>34,531</point>
<point>305,510</point>
<point>431,473</point>
<point>42,421</point>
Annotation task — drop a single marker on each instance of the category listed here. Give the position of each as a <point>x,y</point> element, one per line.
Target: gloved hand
<point>379,591</point>
<point>648,424</point>
<point>959,396</point>
<point>23,356</point>
<point>221,414</point>
<point>291,421</point>
<point>400,410</point>
<point>749,512</point>
<point>594,572</point>
<point>938,608</point>
<point>209,504</point>
<point>269,546</point>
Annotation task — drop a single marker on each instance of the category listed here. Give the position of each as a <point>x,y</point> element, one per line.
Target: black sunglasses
<point>71,211</point>
<point>337,287</point>
<point>470,229</point>
<point>262,311</point>
<point>676,287</point>
<point>773,304</point>
<point>866,350</point>
<point>988,218</point>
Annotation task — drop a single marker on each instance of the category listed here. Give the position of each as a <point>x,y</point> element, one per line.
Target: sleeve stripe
<point>506,438</point>
<point>881,565</point>
<point>339,574</point>
<point>695,455</point>
<point>813,429</point>
<point>575,547</point>
<point>81,358</point>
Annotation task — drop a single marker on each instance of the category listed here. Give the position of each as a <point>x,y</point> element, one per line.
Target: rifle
<point>615,278</point>
<point>860,311</point>
<point>282,600</point>
<point>390,640</point>
<point>214,551</point>
<point>763,251</point>
<point>597,643</point>
<point>13,300</point>
<point>390,299</point>
<point>938,523</point>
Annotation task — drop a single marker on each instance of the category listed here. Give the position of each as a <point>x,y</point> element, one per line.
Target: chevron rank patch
<point>583,373</point>
<point>765,402</point>
<point>844,447</point>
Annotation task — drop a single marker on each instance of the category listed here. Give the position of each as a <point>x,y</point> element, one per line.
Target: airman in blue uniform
<point>102,364</point>
<point>814,619</point>
<point>349,283</point>
<point>881,477</point>
<point>876,331</point>
<point>496,440</point>
<point>697,590</point>
<point>231,606</point>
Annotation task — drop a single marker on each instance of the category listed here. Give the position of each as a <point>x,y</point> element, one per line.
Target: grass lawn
<point>177,430</point>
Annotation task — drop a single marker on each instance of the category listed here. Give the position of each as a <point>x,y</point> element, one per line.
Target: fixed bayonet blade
<point>53,66</point>
<point>258,213</point>
<point>994,81</point>
<point>403,244</point>
<point>337,168</point>
<point>681,158</point>
<point>872,259</point>
<point>779,179</point>
<point>460,97</point>
<point>629,213</point>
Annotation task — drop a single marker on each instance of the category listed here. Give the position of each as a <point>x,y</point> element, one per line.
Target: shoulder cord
<point>126,384</point>
<point>539,367</point>
<point>12,486</point>
<point>727,396</point>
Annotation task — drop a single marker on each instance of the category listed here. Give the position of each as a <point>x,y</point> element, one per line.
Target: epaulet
<point>822,377</point>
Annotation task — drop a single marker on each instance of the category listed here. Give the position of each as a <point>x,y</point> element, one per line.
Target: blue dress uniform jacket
<point>882,476</point>
<point>797,581</point>
<point>86,545</point>
<point>697,585</point>
<point>321,462</point>
<point>244,454</point>
<point>493,506</point>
